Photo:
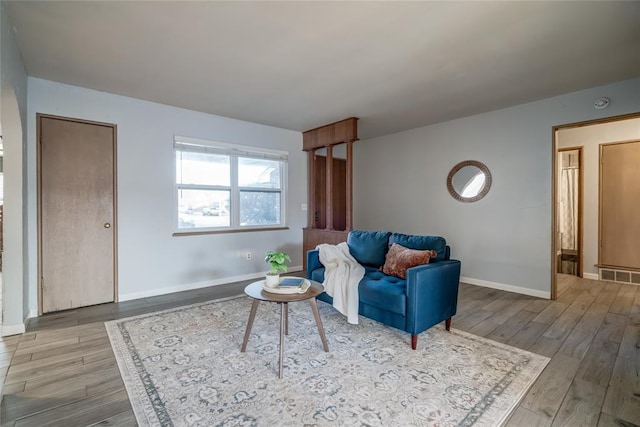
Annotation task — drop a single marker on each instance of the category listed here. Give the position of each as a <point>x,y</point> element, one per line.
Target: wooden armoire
<point>330,159</point>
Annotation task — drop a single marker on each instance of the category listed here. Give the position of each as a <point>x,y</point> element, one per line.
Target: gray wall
<point>503,240</point>
<point>150,260</point>
<point>13,116</point>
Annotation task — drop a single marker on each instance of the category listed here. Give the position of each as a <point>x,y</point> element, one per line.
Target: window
<point>224,186</point>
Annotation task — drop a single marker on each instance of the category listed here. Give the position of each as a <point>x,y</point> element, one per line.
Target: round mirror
<point>469,181</point>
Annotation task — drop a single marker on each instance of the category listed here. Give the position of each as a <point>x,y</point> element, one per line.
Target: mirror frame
<point>485,188</point>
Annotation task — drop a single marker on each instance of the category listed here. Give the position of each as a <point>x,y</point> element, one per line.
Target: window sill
<point>227,231</point>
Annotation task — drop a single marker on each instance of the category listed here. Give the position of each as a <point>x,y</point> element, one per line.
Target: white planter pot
<point>272,280</point>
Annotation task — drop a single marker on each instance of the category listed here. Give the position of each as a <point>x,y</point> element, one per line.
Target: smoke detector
<point>601,103</point>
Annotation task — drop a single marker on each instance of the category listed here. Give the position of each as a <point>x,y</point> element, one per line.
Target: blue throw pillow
<point>368,247</point>
<point>421,243</point>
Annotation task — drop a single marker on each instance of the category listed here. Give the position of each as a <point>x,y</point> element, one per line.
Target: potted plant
<point>276,261</point>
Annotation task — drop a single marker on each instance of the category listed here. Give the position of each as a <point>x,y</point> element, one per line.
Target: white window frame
<point>234,151</point>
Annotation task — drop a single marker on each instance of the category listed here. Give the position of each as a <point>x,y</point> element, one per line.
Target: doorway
<point>13,214</point>
<point>76,213</point>
<point>1,217</point>
<point>589,137</point>
<point>569,203</point>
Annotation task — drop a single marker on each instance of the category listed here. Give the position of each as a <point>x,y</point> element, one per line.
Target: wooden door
<point>619,213</point>
<point>77,228</point>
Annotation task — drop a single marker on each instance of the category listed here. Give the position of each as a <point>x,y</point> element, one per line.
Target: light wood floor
<point>62,371</point>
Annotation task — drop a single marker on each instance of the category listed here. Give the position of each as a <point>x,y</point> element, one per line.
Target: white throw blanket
<point>341,278</point>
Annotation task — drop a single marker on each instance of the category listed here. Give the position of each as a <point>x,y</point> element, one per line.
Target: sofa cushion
<point>368,247</point>
<point>375,289</point>
<point>399,259</point>
<point>382,291</point>
<point>410,241</point>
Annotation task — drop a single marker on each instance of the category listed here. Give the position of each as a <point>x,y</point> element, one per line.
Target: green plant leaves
<point>276,261</point>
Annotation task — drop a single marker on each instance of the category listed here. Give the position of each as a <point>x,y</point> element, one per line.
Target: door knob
<point>107,225</point>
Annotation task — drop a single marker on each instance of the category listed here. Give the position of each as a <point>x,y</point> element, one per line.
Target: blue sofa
<point>428,296</point>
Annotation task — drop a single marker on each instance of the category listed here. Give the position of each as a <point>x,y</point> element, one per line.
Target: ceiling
<point>299,65</point>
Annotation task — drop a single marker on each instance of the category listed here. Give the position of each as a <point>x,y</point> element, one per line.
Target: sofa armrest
<point>432,294</point>
<point>313,261</point>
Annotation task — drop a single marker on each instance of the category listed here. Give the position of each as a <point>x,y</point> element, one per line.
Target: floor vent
<point>607,275</point>
<point>620,276</point>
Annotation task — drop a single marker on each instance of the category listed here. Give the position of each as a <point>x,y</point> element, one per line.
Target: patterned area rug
<point>184,367</point>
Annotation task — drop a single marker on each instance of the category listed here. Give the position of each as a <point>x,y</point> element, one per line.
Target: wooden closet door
<point>619,212</point>
<point>77,213</point>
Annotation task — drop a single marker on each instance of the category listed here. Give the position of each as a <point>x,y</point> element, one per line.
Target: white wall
<point>503,240</point>
<point>14,110</point>
<point>590,137</point>
<point>150,260</point>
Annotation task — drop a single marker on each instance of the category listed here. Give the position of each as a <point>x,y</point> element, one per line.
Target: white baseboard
<point>6,330</point>
<point>591,276</point>
<point>197,285</point>
<point>509,288</point>
<point>13,329</point>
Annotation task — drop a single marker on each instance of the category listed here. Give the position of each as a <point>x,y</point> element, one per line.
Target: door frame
<point>40,116</point>
<point>554,184</point>
<point>580,230</point>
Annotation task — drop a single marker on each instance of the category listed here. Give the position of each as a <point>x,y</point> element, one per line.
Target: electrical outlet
<point>304,206</point>
<point>248,256</point>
